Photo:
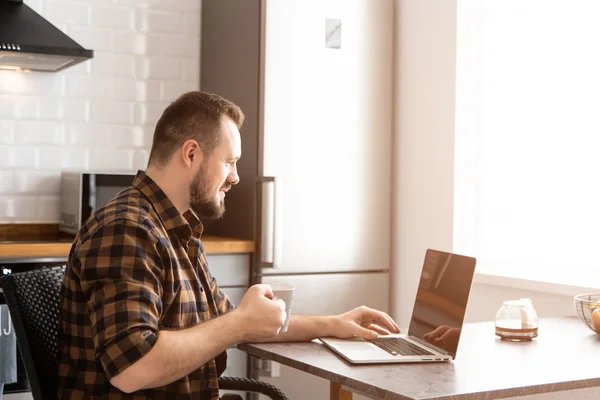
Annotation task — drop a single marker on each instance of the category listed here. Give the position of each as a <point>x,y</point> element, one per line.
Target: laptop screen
<point>442,299</point>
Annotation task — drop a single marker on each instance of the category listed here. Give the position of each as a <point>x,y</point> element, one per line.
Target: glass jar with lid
<point>517,321</point>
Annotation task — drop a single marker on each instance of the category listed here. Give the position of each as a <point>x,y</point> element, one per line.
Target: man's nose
<point>233,177</point>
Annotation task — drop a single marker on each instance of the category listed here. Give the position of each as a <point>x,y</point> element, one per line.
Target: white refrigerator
<point>314,78</point>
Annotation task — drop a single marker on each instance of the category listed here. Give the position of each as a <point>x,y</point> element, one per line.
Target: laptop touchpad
<point>357,347</point>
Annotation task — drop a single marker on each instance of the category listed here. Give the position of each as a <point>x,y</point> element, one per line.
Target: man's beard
<point>202,202</point>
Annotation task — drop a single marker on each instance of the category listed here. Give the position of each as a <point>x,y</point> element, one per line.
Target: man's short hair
<point>194,115</point>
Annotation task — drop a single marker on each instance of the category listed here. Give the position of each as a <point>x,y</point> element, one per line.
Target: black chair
<point>33,299</point>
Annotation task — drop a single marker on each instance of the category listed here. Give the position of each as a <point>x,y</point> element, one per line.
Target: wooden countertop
<point>50,248</point>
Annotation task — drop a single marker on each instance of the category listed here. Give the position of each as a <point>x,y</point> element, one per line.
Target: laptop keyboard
<point>399,346</point>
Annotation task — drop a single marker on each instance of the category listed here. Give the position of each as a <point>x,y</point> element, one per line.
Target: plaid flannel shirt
<point>136,267</point>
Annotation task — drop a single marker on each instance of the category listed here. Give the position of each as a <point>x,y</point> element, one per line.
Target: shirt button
<point>210,385</point>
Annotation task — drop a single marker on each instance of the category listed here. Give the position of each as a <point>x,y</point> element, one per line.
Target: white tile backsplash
<point>36,132</point>
<point>140,3</point>
<point>53,85</point>
<point>149,113</point>
<point>48,208</point>
<point>50,109</point>
<point>126,137</point>
<point>18,157</point>
<point>170,45</point>
<point>18,107</point>
<point>180,5</point>
<point>140,159</point>
<point>191,24</point>
<point>148,136</point>
<point>67,12</point>
<point>100,114</point>
<point>152,90</point>
<point>5,155</point>
<point>6,182</point>
<point>22,208</point>
<point>30,182</point>
<point>31,84</point>
<point>170,91</point>
<point>125,89</point>
<point>61,158</point>
<point>160,21</point>
<point>112,17</point>
<point>109,64</point>
<point>163,68</point>
<point>191,70</point>
<point>4,204</point>
<point>92,135</point>
<point>75,159</point>
<point>111,112</point>
<point>7,129</point>
<point>52,158</point>
<point>86,86</point>
<point>63,109</point>
<point>128,43</point>
<point>90,37</point>
<point>74,110</point>
<point>110,160</point>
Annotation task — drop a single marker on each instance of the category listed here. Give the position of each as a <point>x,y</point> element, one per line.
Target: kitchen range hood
<point>29,42</point>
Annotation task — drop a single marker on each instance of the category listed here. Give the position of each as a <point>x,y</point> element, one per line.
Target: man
<point>141,315</point>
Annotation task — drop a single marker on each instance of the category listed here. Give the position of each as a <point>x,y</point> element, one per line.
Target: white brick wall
<point>98,115</point>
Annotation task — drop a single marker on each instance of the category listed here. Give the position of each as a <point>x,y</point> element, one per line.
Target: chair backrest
<point>33,299</point>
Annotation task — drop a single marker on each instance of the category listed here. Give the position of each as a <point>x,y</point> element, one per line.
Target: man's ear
<point>191,152</point>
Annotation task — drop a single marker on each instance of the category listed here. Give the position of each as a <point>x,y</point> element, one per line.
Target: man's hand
<point>262,317</point>
<point>363,322</point>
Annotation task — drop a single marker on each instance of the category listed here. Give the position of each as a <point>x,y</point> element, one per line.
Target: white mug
<point>285,293</point>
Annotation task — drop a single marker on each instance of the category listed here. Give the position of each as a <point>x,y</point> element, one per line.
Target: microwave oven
<point>81,194</point>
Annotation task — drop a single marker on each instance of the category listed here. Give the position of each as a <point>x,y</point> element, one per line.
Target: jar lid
<point>515,303</point>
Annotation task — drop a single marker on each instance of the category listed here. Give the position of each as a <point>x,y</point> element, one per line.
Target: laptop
<point>436,321</point>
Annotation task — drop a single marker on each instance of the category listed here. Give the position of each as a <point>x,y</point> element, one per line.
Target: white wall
<point>98,115</point>
<point>425,45</point>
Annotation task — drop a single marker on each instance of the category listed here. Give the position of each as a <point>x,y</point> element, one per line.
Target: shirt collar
<point>187,224</point>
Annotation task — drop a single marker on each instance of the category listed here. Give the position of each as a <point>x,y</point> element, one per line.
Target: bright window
<point>527,194</point>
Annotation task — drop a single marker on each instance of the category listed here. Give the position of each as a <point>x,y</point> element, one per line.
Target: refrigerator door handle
<point>268,221</point>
